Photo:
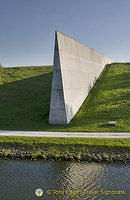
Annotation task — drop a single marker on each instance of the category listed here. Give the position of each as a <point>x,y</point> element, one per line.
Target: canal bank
<point>103,155</point>
<point>65,149</point>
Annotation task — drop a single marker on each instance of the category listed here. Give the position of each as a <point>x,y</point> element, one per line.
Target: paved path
<point>66,134</point>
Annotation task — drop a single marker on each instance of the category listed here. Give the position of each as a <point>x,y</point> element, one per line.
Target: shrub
<point>1,70</point>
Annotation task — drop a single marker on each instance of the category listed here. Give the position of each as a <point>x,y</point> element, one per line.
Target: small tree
<point>1,70</point>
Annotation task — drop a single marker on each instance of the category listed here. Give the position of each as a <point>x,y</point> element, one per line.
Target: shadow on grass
<point>102,106</point>
<point>25,102</point>
<point>105,126</point>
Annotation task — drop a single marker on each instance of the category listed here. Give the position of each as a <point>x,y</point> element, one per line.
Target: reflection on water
<point>62,180</point>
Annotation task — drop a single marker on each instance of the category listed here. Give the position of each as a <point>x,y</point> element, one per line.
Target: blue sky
<point>27,28</point>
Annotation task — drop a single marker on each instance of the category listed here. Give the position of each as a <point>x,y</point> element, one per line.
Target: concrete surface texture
<point>76,68</point>
<point>65,134</point>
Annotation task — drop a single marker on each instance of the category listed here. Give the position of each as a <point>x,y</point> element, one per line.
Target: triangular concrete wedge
<point>57,104</point>
<point>76,68</point>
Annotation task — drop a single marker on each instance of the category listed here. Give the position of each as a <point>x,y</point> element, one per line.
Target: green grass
<point>23,141</point>
<point>89,149</point>
<point>25,98</point>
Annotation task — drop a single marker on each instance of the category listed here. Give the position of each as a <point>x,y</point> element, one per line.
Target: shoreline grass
<point>24,105</point>
<point>29,141</point>
<point>66,149</point>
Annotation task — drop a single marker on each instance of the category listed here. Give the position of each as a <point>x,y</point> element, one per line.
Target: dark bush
<point>1,71</point>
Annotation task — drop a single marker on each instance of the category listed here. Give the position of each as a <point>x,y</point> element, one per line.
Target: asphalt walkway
<point>65,134</point>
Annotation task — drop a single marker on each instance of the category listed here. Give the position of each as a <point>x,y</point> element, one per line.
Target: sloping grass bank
<point>25,98</point>
<point>71,149</point>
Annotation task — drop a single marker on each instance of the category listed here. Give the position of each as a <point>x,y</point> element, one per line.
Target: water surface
<point>62,180</point>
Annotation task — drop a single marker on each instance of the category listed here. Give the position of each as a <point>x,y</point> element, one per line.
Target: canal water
<point>63,180</point>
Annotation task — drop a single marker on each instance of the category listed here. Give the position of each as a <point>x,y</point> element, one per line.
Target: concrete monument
<point>76,68</point>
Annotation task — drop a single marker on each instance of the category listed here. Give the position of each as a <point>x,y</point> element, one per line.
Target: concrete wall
<point>76,68</point>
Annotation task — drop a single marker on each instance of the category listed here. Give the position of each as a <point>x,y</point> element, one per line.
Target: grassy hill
<point>25,98</point>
